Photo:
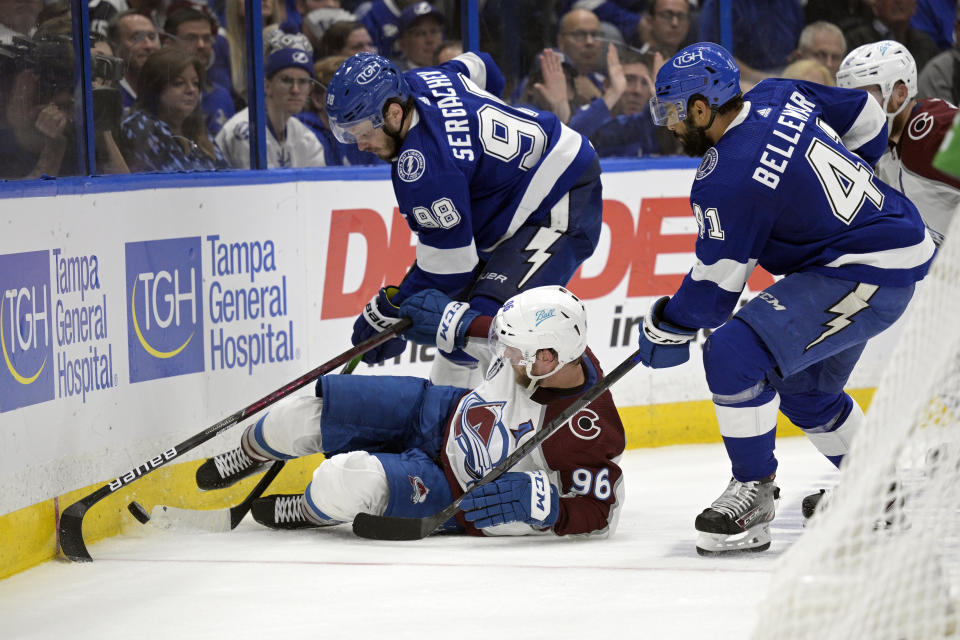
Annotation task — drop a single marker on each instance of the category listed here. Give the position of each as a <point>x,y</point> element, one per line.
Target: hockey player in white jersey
<point>785,183</point>
<point>401,446</point>
<point>887,71</point>
<point>501,199</point>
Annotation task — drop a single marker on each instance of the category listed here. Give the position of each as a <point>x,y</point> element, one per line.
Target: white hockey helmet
<point>881,63</point>
<point>548,317</point>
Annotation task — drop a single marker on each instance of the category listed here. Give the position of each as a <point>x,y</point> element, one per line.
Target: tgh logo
<point>688,59</point>
<point>368,73</point>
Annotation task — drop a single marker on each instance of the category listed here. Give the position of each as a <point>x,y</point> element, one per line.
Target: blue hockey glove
<point>379,315</point>
<point>525,497</point>
<point>663,344</point>
<point>437,320</point>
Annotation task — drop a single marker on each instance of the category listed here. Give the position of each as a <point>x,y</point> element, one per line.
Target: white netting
<point>881,560</point>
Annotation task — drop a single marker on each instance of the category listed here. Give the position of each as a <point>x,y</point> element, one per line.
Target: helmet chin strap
<point>534,379</point>
<point>713,116</point>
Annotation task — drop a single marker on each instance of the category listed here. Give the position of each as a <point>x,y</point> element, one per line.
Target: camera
<point>108,69</point>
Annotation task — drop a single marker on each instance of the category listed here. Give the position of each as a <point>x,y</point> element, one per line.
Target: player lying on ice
<point>401,446</point>
<point>785,183</point>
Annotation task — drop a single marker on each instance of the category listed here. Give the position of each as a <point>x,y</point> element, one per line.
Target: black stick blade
<point>373,527</point>
<point>71,533</point>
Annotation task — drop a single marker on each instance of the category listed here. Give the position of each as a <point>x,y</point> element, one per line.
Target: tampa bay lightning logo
<point>481,435</point>
<point>708,164</point>
<point>410,165</point>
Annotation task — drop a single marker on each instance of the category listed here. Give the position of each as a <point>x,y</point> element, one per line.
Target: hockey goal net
<point>881,557</point>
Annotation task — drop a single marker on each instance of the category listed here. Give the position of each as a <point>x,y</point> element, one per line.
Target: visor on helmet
<point>516,354</point>
<point>353,132</point>
<point>667,112</point>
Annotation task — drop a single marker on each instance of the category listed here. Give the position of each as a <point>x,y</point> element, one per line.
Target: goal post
<point>881,557</point>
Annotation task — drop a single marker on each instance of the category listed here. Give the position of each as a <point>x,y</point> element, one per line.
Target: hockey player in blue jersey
<point>501,199</point>
<point>785,183</point>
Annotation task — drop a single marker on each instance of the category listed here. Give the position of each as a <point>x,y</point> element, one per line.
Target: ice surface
<point>647,581</point>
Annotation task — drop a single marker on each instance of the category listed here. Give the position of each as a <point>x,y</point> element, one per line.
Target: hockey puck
<point>138,512</point>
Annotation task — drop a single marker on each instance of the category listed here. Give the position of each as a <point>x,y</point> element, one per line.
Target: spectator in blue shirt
<point>165,130</point>
<point>194,31</point>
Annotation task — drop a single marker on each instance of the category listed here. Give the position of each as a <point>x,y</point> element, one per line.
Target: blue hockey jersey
<point>473,169</point>
<point>789,186</point>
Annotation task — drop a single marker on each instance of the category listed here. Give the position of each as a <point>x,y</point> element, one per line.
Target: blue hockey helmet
<point>358,92</point>
<point>705,69</point>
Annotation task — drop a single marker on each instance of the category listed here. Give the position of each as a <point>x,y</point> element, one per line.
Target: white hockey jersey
<point>908,166</point>
<point>493,420</point>
<point>300,147</point>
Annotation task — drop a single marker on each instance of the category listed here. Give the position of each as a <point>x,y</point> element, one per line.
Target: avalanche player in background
<point>501,199</point>
<point>887,71</point>
<point>401,446</point>
<point>785,183</point>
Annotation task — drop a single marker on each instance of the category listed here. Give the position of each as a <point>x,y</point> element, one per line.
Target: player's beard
<point>694,141</point>
<point>394,141</point>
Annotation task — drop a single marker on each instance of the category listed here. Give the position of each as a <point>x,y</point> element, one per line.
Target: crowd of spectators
<point>170,77</point>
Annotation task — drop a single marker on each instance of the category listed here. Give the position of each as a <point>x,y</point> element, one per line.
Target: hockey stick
<point>211,520</point>
<point>374,527</point>
<point>70,529</point>
<point>214,520</point>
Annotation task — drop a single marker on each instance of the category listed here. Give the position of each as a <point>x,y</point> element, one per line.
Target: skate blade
<point>753,540</point>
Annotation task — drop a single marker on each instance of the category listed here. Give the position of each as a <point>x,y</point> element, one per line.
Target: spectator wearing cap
<point>315,116</point>
<point>290,143</point>
<point>421,32</point>
<point>382,19</point>
<point>193,28</point>
<point>345,39</point>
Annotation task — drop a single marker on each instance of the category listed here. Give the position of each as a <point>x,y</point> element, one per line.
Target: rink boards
<point>133,316</point>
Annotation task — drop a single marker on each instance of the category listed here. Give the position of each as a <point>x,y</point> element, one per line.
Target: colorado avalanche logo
<point>481,435</point>
<point>410,165</point>
<point>708,164</point>
<point>920,126</point>
<point>420,490</point>
<point>585,424</point>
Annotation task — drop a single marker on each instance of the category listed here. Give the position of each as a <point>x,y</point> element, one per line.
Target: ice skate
<point>739,520</point>
<point>286,511</point>
<point>227,469</point>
